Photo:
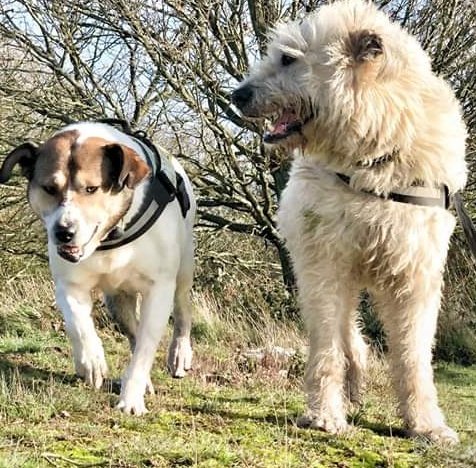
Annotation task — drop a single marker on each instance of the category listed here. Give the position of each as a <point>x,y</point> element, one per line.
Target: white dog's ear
<point>25,155</point>
<point>365,45</point>
<point>128,169</point>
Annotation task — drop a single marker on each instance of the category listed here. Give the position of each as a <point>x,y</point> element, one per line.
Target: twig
<point>49,457</point>
<point>4,446</point>
<point>19,273</point>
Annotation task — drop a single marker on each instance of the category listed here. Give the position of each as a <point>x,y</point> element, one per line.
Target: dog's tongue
<point>281,126</point>
<point>287,124</point>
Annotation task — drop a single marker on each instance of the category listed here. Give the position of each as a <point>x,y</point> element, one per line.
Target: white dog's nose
<point>242,96</point>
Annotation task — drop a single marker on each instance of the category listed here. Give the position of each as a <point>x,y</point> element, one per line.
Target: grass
<point>49,418</point>
<point>231,411</point>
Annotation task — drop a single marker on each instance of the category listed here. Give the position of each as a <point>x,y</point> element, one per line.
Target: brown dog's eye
<point>49,189</point>
<point>287,60</point>
<point>91,189</point>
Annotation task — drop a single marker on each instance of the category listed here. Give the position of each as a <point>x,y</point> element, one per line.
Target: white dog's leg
<point>88,352</point>
<point>356,351</point>
<point>410,326</point>
<point>156,308</point>
<point>123,308</point>
<point>326,302</point>
<point>180,351</point>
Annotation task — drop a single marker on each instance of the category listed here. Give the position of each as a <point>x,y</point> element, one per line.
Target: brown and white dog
<point>84,181</point>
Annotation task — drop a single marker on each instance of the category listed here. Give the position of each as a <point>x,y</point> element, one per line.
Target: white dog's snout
<point>64,223</point>
<point>242,96</point>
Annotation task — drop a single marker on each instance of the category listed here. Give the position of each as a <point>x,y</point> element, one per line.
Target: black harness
<point>160,193</point>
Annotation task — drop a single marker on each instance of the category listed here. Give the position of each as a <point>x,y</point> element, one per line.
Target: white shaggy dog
<point>88,183</point>
<point>379,143</point>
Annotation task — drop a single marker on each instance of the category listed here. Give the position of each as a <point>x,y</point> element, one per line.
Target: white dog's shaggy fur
<point>355,94</point>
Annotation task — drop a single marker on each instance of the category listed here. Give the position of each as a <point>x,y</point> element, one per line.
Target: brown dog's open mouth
<point>72,253</point>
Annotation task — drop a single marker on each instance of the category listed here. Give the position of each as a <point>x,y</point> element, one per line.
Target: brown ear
<point>128,169</point>
<point>365,45</point>
<point>25,155</point>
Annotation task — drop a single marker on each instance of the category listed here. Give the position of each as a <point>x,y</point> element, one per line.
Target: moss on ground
<point>50,418</point>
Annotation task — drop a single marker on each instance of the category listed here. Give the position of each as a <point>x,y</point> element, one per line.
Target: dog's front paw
<point>131,400</point>
<point>135,406</point>
<point>334,424</point>
<point>443,435</point>
<point>180,357</point>
<point>91,366</point>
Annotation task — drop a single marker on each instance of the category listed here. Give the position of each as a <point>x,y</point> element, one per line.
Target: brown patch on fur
<point>86,165</point>
<point>364,45</point>
<point>88,177</point>
<point>130,168</point>
<point>53,161</point>
<point>90,167</point>
<point>135,167</point>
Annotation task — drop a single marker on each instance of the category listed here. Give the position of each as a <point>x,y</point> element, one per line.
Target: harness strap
<point>466,223</point>
<point>178,190</point>
<point>182,195</point>
<point>413,195</point>
<point>160,193</point>
<point>116,238</point>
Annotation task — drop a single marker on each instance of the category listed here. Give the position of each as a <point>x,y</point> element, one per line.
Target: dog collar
<point>160,193</point>
<point>415,195</point>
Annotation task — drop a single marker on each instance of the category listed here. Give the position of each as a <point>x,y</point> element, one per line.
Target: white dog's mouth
<point>288,123</point>
<point>74,253</point>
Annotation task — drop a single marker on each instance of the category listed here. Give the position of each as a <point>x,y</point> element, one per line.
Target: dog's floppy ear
<point>25,155</point>
<point>128,169</point>
<point>365,45</point>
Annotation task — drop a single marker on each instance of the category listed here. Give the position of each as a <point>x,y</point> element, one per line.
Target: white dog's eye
<point>91,189</point>
<point>287,60</point>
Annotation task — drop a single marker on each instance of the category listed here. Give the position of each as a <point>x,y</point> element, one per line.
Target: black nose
<point>64,233</point>
<point>242,96</point>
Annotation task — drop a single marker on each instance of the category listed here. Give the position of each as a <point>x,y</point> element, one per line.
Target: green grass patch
<point>50,418</point>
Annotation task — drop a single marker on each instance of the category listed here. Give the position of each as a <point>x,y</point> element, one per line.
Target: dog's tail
<point>466,222</point>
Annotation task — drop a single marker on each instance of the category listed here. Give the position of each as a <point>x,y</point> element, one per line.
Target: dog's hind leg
<point>123,307</point>
<point>180,350</point>
<point>355,350</point>
<point>410,324</point>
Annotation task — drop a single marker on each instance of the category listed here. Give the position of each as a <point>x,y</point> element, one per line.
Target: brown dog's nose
<point>64,233</point>
<point>242,96</point>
